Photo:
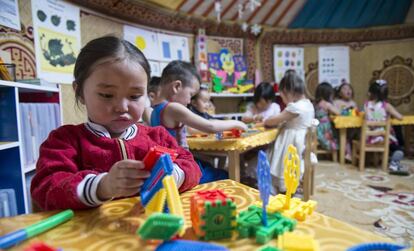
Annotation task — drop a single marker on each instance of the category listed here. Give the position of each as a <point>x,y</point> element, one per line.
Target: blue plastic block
<point>162,167</point>
<point>377,246</point>
<point>184,245</point>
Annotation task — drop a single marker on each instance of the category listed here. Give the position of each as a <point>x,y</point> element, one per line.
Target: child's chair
<point>359,148</point>
<point>333,153</point>
<point>309,174</point>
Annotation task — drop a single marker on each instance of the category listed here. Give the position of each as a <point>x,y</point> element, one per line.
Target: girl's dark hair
<point>202,88</point>
<point>324,91</point>
<point>263,90</point>
<point>292,83</point>
<point>378,90</point>
<point>101,50</point>
<point>154,84</point>
<point>179,70</point>
<point>339,88</point>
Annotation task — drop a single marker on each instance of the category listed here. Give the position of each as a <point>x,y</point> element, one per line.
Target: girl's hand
<point>258,118</point>
<point>123,179</point>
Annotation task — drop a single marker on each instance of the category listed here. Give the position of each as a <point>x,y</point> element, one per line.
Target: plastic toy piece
<point>40,246</point>
<point>298,209</point>
<point>219,135</point>
<point>264,182</point>
<point>291,173</point>
<point>184,245</point>
<point>294,242</point>
<point>154,154</point>
<point>249,224</point>
<point>173,199</point>
<point>377,246</point>
<point>153,184</point>
<point>160,226</point>
<point>269,248</point>
<point>15,237</point>
<point>156,204</point>
<point>213,215</point>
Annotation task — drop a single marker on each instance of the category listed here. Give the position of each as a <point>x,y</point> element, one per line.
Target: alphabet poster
<point>287,58</point>
<point>333,64</point>
<point>57,39</point>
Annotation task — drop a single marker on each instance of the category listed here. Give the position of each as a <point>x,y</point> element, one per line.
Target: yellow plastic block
<point>156,204</point>
<point>294,242</point>
<point>173,199</point>
<point>291,173</point>
<point>297,210</point>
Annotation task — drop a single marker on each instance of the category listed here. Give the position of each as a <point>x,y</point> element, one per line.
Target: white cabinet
<point>15,169</point>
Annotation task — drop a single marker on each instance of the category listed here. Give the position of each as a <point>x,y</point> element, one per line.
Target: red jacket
<point>71,152</point>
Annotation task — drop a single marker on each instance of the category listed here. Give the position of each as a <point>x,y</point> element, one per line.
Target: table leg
<point>234,165</point>
<point>342,145</point>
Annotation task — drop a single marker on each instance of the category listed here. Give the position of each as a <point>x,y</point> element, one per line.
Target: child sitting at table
<point>378,109</point>
<point>263,106</point>
<point>293,121</point>
<point>81,166</point>
<point>154,89</point>
<point>201,104</point>
<point>179,82</point>
<point>323,108</point>
<point>344,98</point>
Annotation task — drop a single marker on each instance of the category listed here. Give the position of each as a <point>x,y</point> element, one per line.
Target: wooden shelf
<point>30,167</point>
<point>30,87</point>
<point>7,145</point>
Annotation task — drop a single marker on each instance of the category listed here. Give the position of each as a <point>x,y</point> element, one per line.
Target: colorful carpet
<point>372,200</point>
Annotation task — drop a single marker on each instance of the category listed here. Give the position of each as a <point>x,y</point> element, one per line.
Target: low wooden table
<point>344,122</point>
<point>112,226</point>
<point>232,147</point>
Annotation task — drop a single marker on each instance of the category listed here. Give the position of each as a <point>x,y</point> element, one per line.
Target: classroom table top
<point>258,137</point>
<point>356,121</point>
<point>112,226</point>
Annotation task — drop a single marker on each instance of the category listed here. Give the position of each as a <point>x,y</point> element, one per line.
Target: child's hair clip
<point>381,82</point>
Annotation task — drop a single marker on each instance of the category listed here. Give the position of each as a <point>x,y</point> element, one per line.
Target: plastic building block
<point>213,215</point>
<point>40,246</point>
<point>249,224</point>
<point>157,203</point>
<point>295,242</point>
<point>153,184</point>
<point>160,226</point>
<point>155,153</point>
<point>298,209</point>
<point>173,199</point>
<point>219,135</point>
<point>291,173</point>
<point>264,182</point>
<point>269,248</point>
<point>184,245</point>
<point>377,246</point>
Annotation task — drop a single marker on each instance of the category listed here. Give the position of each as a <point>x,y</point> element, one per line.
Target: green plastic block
<point>219,220</point>
<point>160,226</point>
<point>269,248</point>
<point>249,224</point>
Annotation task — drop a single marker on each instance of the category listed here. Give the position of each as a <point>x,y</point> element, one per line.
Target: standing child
<point>83,165</point>
<point>263,106</point>
<point>295,119</point>
<point>378,109</point>
<point>324,108</point>
<point>179,82</point>
<point>344,98</point>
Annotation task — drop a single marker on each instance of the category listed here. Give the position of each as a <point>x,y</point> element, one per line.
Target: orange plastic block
<point>294,242</point>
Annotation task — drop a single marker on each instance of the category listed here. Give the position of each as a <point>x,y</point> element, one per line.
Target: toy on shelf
<point>160,226</point>
<point>291,173</point>
<point>293,242</point>
<point>213,215</point>
<point>15,237</point>
<point>185,245</point>
<point>154,153</point>
<point>264,182</point>
<point>249,224</point>
<point>377,246</point>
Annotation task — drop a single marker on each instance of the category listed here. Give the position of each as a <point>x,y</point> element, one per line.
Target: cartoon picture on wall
<point>57,39</point>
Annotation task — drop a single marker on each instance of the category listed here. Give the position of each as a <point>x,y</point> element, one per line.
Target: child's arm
<point>280,118</point>
<point>176,113</point>
<point>394,113</point>
<point>332,109</point>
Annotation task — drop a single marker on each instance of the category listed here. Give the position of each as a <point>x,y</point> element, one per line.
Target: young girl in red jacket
<point>81,166</point>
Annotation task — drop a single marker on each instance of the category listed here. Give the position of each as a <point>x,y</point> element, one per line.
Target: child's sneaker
<point>396,168</point>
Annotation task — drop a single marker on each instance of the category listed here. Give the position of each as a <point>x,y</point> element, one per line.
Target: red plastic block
<point>212,195</point>
<point>154,153</point>
<point>40,246</point>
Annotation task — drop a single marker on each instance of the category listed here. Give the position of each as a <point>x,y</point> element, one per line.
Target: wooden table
<point>344,122</point>
<point>232,147</point>
<point>113,225</point>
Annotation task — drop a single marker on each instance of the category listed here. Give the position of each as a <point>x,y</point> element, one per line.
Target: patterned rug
<point>372,200</point>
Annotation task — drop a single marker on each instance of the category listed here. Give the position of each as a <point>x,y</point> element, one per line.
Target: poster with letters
<point>288,58</point>
<point>57,39</point>
<point>333,65</point>
<point>145,40</point>
<point>9,14</point>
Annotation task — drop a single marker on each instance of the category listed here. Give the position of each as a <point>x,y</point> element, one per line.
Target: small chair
<point>309,174</point>
<point>333,153</point>
<point>360,147</point>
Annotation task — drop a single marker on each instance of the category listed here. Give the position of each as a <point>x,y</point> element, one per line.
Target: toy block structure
<point>249,224</point>
<point>213,215</point>
<point>295,242</point>
<point>155,153</point>
<point>298,209</point>
<point>160,226</point>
